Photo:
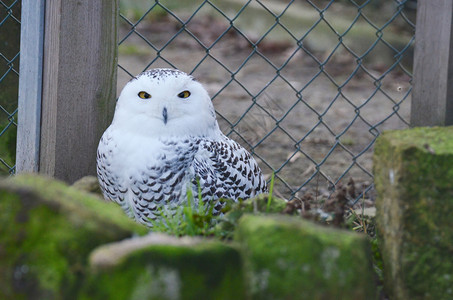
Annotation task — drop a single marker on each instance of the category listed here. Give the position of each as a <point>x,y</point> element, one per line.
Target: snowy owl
<point>165,139</point>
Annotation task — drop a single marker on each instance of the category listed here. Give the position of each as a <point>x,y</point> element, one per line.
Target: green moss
<point>261,204</point>
<point>431,139</point>
<point>71,200</point>
<point>289,258</point>
<point>48,231</point>
<point>208,270</point>
<point>414,179</point>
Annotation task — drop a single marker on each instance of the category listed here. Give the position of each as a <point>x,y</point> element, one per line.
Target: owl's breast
<point>153,173</point>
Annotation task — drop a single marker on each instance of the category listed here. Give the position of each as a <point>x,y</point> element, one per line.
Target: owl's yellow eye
<point>144,95</point>
<point>184,94</point>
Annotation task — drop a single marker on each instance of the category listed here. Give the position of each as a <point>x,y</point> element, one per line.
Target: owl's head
<point>165,102</point>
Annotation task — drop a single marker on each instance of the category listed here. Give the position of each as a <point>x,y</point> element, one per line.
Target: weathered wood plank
<point>30,86</point>
<point>432,97</point>
<point>79,88</point>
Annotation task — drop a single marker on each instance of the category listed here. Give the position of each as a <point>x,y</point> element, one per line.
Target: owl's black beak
<point>164,114</point>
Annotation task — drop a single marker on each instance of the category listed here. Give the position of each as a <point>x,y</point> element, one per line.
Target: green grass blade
<point>271,190</point>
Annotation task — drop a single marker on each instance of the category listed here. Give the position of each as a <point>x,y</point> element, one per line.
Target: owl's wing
<point>110,184</point>
<point>227,170</point>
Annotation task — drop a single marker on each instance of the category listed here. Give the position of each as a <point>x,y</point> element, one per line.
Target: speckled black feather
<point>223,169</point>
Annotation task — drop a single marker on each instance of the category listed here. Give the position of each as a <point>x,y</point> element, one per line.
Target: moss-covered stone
<point>261,204</point>
<point>89,184</point>
<point>291,258</point>
<point>47,232</point>
<point>163,267</point>
<point>413,172</point>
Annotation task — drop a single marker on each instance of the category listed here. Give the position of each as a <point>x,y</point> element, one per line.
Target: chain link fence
<point>9,82</point>
<point>306,86</point>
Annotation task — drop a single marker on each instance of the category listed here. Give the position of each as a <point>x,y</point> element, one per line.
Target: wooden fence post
<point>30,86</point>
<point>78,85</point>
<point>432,96</point>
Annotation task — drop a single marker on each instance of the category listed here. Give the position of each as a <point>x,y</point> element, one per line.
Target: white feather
<point>157,147</point>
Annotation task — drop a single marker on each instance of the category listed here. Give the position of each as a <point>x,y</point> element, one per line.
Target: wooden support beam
<point>432,97</point>
<point>30,86</point>
<point>79,84</point>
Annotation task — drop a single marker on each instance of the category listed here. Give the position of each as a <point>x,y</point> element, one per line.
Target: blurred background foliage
<point>9,81</point>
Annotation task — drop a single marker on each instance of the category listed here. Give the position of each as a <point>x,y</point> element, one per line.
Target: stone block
<point>413,172</point>
<point>47,233</point>
<point>89,184</point>
<point>260,204</point>
<point>158,266</point>
<point>291,258</point>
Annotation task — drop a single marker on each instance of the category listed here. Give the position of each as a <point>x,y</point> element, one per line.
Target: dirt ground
<point>313,126</point>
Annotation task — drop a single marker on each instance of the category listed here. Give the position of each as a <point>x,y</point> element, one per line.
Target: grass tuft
<point>189,219</point>
<point>271,191</point>
<point>195,217</point>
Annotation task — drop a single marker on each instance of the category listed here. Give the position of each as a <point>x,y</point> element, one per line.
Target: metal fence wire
<point>306,86</point>
<point>9,82</point>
